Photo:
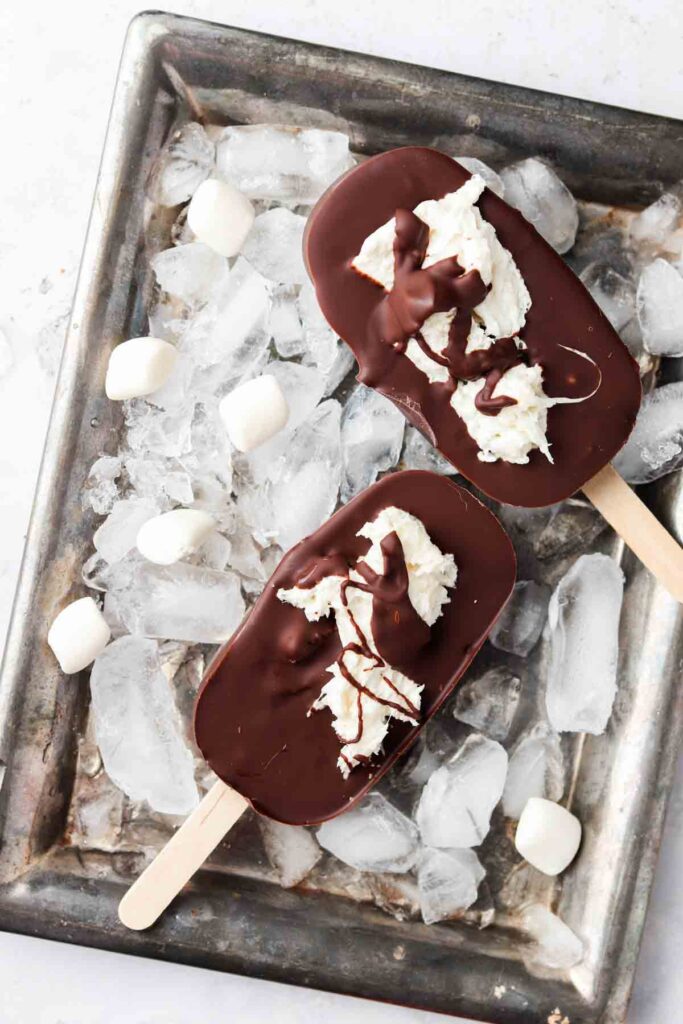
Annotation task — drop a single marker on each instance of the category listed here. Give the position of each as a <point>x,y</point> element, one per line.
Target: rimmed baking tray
<point>175,69</point>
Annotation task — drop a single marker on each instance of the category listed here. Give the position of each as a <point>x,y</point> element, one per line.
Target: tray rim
<point>146,31</point>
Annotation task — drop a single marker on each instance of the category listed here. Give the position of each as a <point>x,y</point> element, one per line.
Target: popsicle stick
<point>633,521</point>
<point>184,854</point>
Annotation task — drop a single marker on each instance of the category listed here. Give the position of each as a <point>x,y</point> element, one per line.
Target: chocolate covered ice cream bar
<point>360,635</point>
<point>459,312</point>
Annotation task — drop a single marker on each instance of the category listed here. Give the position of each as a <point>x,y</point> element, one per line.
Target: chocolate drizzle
<point>420,292</point>
<point>398,631</point>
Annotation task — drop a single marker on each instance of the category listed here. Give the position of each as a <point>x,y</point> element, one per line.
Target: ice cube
<point>537,192</point>
<point>284,323</point>
<point>177,394</point>
<point>161,481</point>
<point>97,812</point>
<point>98,574</point>
<point>489,702</point>
<point>231,328</point>
<point>137,727</point>
<point>521,886</point>
<point>536,769</point>
<point>456,804</point>
<point>245,557</point>
<point>101,491</point>
<point>181,602</point>
<point>393,894</point>
<point>654,224</point>
<point>185,163</point>
<point>213,496</point>
<point>280,162</point>
<point>555,944</point>
<point>155,431</point>
<point>572,524</point>
<point>655,447</point>
<point>118,533</point>
<point>371,437</point>
<point>302,387</point>
<point>190,272</point>
<point>583,619</point>
<point>292,851</point>
<point>418,453</point>
<point>216,551</point>
<point>435,746</point>
<point>211,453</point>
<point>614,293</point>
<point>660,308</point>
<point>474,166</point>
<point>601,241</point>
<point>95,571</point>
<point>166,318</point>
<point>321,345</point>
<point>274,246</point>
<point>448,881</point>
<point>343,363</point>
<point>519,625</point>
<point>301,491</point>
<point>524,522</point>
<point>373,836</point>
<point>632,336</point>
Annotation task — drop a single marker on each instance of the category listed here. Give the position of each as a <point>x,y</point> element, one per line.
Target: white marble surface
<point>57,67</point>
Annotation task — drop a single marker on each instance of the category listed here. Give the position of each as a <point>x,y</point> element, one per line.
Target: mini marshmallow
<point>171,536</point>
<point>139,367</point>
<point>548,835</point>
<point>254,412</point>
<point>78,634</point>
<point>220,216</point>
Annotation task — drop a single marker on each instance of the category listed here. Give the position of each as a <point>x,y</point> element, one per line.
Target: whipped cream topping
<point>456,228</point>
<point>517,429</point>
<point>364,704</point>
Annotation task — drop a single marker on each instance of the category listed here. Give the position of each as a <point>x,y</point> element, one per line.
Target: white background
<point>58,62</point>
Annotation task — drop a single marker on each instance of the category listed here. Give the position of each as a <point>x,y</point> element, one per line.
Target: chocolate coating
<point>584,436</point>
<point>251,718</point>
<point>398,630</point>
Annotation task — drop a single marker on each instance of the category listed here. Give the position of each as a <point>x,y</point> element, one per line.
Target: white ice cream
<point>458,229</point>
<point>516,430</point>
<point>430,573</point>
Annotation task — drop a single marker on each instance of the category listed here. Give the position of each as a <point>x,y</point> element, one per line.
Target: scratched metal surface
<point>233,917</point>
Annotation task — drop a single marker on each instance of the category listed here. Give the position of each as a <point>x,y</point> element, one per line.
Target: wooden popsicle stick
<point>639,528</point>
<point>184,854</point>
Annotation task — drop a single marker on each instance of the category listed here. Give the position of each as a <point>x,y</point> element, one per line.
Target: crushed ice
<point>233,319</point>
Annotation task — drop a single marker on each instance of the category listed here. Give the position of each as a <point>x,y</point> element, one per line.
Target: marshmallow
<point>78,634</point>
<point>139,367</point>
<point>173,535</point>
<point>254,412</point>
<point>548,835</point>
<point>220,216</point>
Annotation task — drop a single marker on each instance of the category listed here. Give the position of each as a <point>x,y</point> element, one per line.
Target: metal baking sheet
<point>232,917</point>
